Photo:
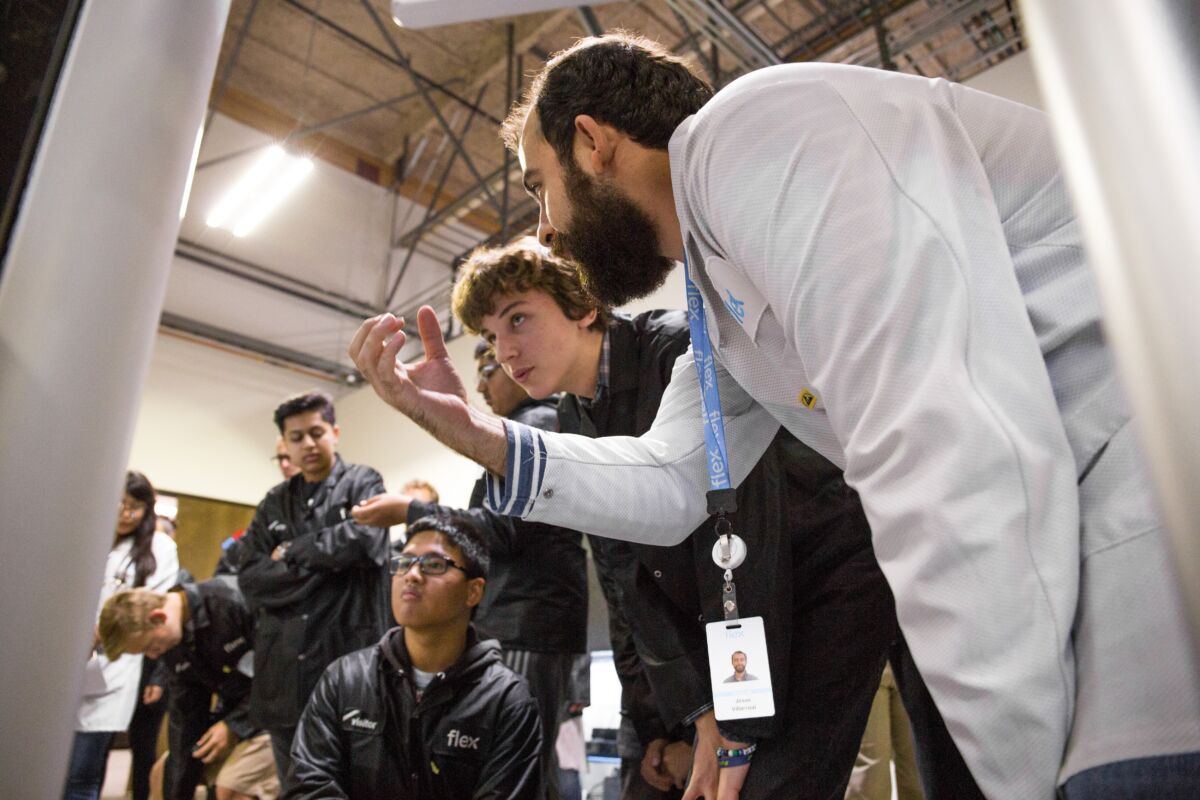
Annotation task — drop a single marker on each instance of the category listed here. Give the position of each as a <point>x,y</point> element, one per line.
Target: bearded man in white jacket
<point>891,269</point>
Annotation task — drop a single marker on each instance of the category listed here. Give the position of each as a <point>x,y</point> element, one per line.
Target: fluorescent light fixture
<point>236,197</point>
<point>431,13</point>
<point>258,192</point>
<point>282,185</point>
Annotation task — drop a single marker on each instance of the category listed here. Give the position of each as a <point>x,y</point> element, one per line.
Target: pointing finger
<point>431,334</point>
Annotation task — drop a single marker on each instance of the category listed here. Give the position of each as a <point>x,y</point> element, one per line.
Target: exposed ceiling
<point>403,124</point>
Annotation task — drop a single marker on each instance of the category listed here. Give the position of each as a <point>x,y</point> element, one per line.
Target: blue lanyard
<point>720,494</point>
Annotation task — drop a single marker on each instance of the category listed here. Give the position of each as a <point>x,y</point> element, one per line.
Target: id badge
<point>739,670</point>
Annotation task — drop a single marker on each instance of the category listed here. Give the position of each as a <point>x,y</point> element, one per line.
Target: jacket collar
<point>623,374</point>
<point>476,654</point>
<point>198,618</point>
<point>295,484</point>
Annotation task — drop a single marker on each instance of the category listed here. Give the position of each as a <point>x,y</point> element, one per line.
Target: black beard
<point>612,241</point>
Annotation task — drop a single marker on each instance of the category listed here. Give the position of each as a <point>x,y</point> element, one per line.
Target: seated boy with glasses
<point>429,712</point>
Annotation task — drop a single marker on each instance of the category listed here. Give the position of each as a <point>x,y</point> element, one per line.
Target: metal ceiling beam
<point>437,192</point>
<point>277,281</point>
<point>268,351</point>
<point>350,36</point>
<point>381,26</point>
<point>587,18</point>
<point>454,206</point>
<point>300,133</point>
<point>233,57</point>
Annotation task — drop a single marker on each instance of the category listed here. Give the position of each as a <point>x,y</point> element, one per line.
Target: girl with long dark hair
<point>139,557</point>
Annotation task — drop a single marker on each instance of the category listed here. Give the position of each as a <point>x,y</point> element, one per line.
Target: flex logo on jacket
<point>456,738</point>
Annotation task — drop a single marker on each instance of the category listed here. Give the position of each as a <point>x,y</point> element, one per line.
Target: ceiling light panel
<point>431,13</point>
<point>263,187</point>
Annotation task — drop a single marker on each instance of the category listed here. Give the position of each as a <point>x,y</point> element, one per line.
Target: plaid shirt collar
<point>602,374</point>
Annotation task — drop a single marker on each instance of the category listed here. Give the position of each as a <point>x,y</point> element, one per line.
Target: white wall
<point>1012,78</point>
<point>204,426</point>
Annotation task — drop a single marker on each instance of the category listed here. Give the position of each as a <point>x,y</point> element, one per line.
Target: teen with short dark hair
<point>430,712</point>
<point>316,578</point>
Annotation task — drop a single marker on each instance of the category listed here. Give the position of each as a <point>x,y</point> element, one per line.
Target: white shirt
<point>111,709</point>
<point>893,272</point>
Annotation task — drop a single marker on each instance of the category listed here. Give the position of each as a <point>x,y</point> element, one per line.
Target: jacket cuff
<point>418,509</point>
<point>515,494</point>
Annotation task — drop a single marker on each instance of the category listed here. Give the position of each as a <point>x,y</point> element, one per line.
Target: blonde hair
<point>126,614</point>
<point>417,483</point>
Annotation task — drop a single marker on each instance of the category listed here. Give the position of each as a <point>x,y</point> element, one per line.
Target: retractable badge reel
<point>737,646</point>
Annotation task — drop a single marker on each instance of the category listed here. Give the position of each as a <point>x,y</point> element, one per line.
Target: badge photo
<point>739,670</point>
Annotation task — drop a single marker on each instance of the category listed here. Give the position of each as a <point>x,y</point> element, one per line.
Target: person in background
<point>140,556</point>
<point>571,745</point>
<point>315,577</point>
<point>421,490</point>
<point>887,740</point>
<point>430,712</point>
<point>287,467</point>
<point>227,562</point>
<point>203,634</point>
<point>151,708</point>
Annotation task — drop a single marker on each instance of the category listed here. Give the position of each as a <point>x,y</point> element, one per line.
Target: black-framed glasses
<point>430,564</point>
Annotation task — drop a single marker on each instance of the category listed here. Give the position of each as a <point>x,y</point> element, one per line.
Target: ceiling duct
<point>432,13</point>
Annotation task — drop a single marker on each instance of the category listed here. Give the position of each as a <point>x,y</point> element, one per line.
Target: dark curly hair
<point>622,79</point>
<point>521,266</point>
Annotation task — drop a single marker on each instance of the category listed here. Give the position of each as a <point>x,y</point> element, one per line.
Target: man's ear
<point>158,617</point>
<point>475,591</point>
<point>595,143</point>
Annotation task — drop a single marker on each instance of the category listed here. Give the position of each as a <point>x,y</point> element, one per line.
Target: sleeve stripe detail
<point>526,462</point>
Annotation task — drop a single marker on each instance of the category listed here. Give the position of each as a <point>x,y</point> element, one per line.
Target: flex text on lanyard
<point>730,550</point>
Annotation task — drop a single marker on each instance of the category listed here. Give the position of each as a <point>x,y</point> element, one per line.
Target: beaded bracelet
<point>734,757</point>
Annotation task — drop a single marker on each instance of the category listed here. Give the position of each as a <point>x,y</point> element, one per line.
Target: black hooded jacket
<point>219,632</point>
<point>328,596</point>
<point>536,595</point>
<point>473,734</point>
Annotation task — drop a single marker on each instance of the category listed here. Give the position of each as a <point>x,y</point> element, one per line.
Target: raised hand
<point>428,391</point>
<point>382,510</point>
<point>429,386</point>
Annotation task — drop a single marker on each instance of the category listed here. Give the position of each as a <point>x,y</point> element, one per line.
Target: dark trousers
<point>143,736</point>
<point>843,620</point>
<point>1175,777</point>
<point>944,774</point>
<point>549,677</point>
<point>281,748</point>
<point>89,760</point>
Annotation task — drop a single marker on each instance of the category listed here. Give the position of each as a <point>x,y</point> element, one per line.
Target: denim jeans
<point>89,759</point>
<point>1175,777</point>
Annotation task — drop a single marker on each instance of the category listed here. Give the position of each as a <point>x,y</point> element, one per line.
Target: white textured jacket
<point>893,272</point>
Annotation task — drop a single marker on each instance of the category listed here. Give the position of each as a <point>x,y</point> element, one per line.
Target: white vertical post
<point>80,294</point>
<point>1122,84</point>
